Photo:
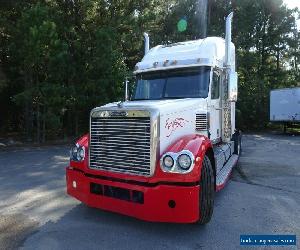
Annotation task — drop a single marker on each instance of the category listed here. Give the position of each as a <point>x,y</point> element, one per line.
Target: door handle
<point>215,107</point>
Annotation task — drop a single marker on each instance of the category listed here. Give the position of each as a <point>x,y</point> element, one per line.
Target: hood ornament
<point>118,113</point>
<point>120,104</point>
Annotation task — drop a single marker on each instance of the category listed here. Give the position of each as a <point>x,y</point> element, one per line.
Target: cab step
<point>224,174</point>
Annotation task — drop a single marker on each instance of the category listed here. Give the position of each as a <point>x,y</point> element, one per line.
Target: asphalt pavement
<point>262,197</point>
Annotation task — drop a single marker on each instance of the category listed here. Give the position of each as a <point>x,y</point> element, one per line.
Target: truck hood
<point>164,107</point>
<point>177,117</point>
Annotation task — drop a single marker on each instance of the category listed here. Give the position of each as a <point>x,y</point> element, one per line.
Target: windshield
<point>179,83</point>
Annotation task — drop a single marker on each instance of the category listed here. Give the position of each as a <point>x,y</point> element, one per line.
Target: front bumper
<point>161,202</point>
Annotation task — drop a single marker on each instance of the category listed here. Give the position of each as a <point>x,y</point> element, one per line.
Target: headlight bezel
<point>176,168</point>
<point>77,153</point>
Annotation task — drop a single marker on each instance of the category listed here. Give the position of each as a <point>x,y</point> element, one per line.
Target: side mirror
<point>232,87</point>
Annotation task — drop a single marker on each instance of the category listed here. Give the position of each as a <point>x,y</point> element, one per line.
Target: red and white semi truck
<point>163,154</point>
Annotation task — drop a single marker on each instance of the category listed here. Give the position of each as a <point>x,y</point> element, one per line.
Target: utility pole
<point>202,9</point>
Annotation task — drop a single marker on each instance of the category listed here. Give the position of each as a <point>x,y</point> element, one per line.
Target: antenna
<point>202,8</point>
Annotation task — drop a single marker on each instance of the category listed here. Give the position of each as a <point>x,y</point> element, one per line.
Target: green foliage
<point>61,58</point>
<point>61,65</point>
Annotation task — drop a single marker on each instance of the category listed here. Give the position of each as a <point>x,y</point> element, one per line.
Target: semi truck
<point>285,106</point>
<point>161,154</point>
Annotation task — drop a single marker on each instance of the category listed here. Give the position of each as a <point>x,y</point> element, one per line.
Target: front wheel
<point>207,192</point>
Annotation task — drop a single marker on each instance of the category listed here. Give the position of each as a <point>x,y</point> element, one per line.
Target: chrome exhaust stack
<point>126,90</point>
<point>228,40</point>
<point>147,42</point>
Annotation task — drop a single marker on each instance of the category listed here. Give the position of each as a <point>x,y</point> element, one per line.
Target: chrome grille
<point>121,144</point>
<point>201,122</point>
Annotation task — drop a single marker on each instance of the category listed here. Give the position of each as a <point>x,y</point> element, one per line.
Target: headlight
<point>180,162</point>
<point>184,161</point>
<point>74,151</point>
<point>77,153</point>
<point>168,161</point>
<point>80,154</point>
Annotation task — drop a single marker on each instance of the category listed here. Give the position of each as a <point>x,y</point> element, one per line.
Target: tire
<point>207,192</point>
<point>237,138</point>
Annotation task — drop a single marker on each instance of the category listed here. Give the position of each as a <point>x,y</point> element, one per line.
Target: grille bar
<point>121,153</point>
<point>120,138</point>
<point>129,165</point>
<point>123,159</point>
<point>121,144</point>
<point>126,153</point>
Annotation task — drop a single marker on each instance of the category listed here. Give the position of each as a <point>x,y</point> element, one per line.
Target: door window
<point>215,87</point>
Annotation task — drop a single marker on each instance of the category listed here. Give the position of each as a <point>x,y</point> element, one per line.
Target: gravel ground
<point>262,197</point>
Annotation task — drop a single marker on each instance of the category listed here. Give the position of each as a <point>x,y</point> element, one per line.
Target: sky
<point>293,4</point>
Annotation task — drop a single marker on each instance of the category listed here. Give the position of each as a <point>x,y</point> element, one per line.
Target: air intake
<point>201,122</point>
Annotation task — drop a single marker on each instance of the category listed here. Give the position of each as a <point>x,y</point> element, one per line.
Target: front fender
<point>198,145</point>
<point>84,140</point>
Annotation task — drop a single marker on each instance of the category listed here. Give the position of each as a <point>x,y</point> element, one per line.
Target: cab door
<point>215,108</point>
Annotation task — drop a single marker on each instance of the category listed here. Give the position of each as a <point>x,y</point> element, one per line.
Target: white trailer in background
<point>285,106</point>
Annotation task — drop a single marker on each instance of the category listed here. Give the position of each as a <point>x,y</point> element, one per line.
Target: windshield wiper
<point>174,97</point>
<point>162,98</point>
<point>140,99</point>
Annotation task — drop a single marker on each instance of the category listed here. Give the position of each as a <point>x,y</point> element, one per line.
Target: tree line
<point>61,58</point>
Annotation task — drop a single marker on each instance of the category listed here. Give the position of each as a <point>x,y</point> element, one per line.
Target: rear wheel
<point>207,192</point>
